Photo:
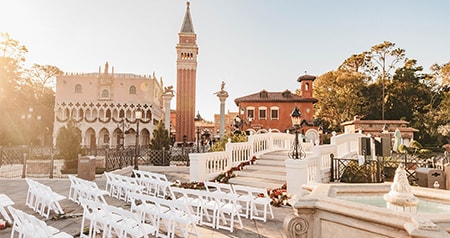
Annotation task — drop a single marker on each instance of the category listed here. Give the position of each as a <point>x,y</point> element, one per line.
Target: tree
<point>341,97</point>
<point>44,76</point>
<point>355,63</point>
<point>381,62</point>
<point>68,141</point>
<point>441,113</point>
<point>161,138</point>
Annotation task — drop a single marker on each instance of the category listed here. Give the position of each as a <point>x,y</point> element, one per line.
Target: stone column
<point>167,97</point>
<point>222,95</point>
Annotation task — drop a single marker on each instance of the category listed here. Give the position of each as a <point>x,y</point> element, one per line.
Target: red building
<point>272,110</point>
<point>187,51</point>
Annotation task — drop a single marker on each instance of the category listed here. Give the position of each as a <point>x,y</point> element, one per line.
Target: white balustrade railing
<point>207,166</point>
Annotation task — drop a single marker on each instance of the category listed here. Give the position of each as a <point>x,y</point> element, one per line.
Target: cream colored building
<point>103,106</point>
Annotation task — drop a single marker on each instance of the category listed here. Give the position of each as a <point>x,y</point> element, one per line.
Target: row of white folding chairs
<point>119,186</point>
<point>80,188</point>
<point>42,199</point>
<point>255,202</point>
<point>155,184</point>
<point>215,209</point>
<point>168,216</point>
<point>29,226</point>
<point>112,221</point>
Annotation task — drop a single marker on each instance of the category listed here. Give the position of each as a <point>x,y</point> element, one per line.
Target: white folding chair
<point>260,204</point>
<point>244,199</point>
<point>75,188</point>
<point>209,208</point>
<point>41,229</point>
<point>144,206</point>
<point>129,224</point>
<point>184,220</point>
<point>5,201</point>
<point>228,211</point>
<point>49,201</point>
<point>31,199</point>
<point>165,217</point>
<point>94,213</point>
<point>215,187</point>
<point>18,222</point>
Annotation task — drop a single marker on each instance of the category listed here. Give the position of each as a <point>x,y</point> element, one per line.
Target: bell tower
<point>187,51</point>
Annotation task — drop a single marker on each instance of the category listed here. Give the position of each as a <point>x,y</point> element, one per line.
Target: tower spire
<point>187,51</point>
<point>187,26</point>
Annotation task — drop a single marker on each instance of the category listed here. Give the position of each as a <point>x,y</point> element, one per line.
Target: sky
<point>251,45</point>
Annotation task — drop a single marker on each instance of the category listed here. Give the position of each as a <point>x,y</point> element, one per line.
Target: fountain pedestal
<point>400,197</point>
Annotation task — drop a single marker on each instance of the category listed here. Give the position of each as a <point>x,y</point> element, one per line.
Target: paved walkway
<point>16,189</point>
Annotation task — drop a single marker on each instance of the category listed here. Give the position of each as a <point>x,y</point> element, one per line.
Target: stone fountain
<point>400,197</point>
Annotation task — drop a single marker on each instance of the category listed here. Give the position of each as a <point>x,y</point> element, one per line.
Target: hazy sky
<point>249,44</point>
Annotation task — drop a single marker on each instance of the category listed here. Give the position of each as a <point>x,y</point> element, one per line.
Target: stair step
<point>274,157</point>
<point>270,162</point>
<point>266,168</point>
<point>268,171</point>
<point>262,174</point>
<point>257,182</point>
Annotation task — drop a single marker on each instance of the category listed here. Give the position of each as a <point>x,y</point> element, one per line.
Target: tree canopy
<point>382,83</point>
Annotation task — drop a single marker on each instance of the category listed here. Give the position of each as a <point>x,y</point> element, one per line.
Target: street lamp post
<point>138,116</point>
<point>198,139</point>
<point>297,152</point>
<point>29,117</point>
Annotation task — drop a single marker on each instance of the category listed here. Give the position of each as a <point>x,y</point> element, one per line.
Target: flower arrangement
<point>279,196</point>
<point>189,185</point>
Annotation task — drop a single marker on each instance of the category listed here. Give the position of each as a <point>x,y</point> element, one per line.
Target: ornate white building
<point>103,106</point>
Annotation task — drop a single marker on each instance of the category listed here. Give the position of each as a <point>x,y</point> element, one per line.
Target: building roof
<point>265,96</point>
<point>187,26</point>
<point>306,77</point>
<point>376,122</point>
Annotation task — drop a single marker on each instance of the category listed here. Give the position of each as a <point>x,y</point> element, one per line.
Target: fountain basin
<point>323,213</point>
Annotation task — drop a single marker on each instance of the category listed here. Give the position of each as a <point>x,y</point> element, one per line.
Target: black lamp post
<point>198,139</point>
<point>29,117</point>
<point>297,152</point>
<point>138,116</point>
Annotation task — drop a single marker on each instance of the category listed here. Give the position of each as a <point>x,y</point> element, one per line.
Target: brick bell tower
<point>187,51</point>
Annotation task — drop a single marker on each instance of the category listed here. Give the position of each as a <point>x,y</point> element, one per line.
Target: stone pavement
<point>16,189</point>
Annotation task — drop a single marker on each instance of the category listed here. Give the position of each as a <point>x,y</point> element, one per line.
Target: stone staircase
<point>269,171</point>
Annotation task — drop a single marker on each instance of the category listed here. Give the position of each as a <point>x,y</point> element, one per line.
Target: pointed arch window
<point>132,90</point>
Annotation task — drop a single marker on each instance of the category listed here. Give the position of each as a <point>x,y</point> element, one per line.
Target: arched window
<point>132,90</point>
<point>78,88</point>
<point>105,93</point>
<point>108,114</point>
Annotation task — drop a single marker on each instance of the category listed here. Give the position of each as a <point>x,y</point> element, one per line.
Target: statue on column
<point>222,91</point>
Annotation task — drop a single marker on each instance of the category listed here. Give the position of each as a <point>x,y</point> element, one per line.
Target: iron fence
<point>377,170</point>
<point>119,158</point>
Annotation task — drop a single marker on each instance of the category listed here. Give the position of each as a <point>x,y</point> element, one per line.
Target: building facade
<point>187,51</point>
<point>381,128</point>
<point>272,110</point>
<point>103,106</point>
